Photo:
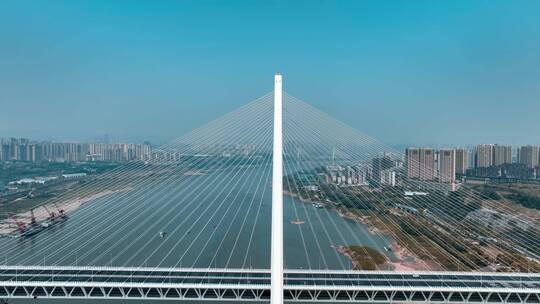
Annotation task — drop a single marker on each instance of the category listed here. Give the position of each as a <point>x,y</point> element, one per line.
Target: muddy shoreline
<point>405,260</point>
<point>9,228</point>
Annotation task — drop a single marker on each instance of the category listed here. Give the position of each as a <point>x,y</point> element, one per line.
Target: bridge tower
<point>277,198</point>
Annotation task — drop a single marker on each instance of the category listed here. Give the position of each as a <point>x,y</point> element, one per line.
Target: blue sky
<point>406,72</point>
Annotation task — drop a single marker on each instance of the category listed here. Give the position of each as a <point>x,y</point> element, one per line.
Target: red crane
<point>61,212</point>
<point>21,226</point>
<point>52,215</point>
<point>32,217</point>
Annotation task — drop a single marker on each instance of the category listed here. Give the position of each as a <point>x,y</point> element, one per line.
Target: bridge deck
<point>254,284</point>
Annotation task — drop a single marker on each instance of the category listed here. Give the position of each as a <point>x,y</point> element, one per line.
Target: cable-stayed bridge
<point>354,222</point>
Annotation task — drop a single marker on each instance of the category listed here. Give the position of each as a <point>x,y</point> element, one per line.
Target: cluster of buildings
<point>440,168</point>
<point>382,171</point>
<point>22,149</point>
<point>486,160</point>
<point>45,179</point>
<point>347,175</point>
<point>428,164</point>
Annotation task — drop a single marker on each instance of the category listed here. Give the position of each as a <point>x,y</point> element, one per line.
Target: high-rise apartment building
<point>484,156</point>
<point>502,155</point>
<point>378,164</point>
<point>420,163</point>
<point>412,156</point>
<point>427,164</point>
<point>388,177</point>
<point>529,156</point>
<point>15,149</point>
<point>4,150</point>
<point>462,160</point>
<point>447,165</point>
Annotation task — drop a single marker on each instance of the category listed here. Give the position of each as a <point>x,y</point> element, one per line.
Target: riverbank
<point>404,260</point>
<point>362,257</point>
<point>8,226</point>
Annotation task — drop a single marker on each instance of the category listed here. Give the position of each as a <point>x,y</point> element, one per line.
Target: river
<point>207,220</point>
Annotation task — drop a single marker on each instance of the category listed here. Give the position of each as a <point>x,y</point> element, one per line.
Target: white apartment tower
<point>462,160</point>
<point>529,156</point>
<point>421,163</point>
<point>502,155</point>
<point>484,156</point>
<point>447,165</point>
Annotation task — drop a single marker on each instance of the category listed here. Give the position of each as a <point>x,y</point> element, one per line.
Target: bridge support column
<point>276,295</point>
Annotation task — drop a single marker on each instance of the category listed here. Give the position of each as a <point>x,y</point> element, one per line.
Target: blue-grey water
<point>209,220</point>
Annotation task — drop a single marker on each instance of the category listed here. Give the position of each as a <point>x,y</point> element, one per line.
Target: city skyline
<point>446,165</point>
<point>27,150</point>
<point>483,161</point>
<point>78,71</point>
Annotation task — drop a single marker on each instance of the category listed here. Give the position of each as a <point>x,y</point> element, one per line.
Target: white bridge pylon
<point>277,197</point>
